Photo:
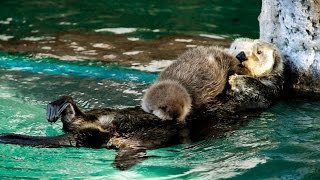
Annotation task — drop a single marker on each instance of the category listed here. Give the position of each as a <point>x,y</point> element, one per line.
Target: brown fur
<point>175,101</point>
<point>202,71</point>
<point>263,58</point>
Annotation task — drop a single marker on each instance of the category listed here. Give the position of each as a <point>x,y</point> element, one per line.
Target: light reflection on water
<point>150,19</point>
<point>282,142</point>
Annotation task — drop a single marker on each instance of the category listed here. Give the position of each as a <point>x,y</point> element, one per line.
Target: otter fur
<point>130,130</point>
<point>263,80</point>
<point>189,83</point>
<point>260,58</point>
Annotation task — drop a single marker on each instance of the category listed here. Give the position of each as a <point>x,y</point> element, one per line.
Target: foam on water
<point>50,66</point>
<point>117,30</point>
<point>153,66</point>
<point>4,37</point>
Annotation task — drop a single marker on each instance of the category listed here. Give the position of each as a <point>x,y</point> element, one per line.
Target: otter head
<point>243,45</point>
<point>168,100</point>
<point>258,57</point>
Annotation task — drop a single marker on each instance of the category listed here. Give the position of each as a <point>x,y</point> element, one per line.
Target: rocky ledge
<point>118,49</point>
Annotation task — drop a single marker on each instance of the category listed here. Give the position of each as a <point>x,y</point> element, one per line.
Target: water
<point>281,143</point>
<point>150,18</point>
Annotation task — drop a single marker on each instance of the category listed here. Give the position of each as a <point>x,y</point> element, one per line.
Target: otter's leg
<point>64,106</point>
<point>130,152</point>
<point>66,109</point>
<point>65,140</point>
<point>128,157</point>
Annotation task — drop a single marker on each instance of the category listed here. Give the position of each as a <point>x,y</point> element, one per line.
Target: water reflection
<point>28,18</point>
<point>40,89</point>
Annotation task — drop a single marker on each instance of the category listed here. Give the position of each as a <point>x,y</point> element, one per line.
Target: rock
<point>294,27</point>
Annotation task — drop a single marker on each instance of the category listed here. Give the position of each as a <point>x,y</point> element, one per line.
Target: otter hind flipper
<point>56,109</point>
<point>128,157</point>
<point>65,140</point>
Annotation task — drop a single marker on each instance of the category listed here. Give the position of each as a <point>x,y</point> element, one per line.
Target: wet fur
<point>173,101</point>
<point>131,130</point>
<point>256,90</point>
<point>202,71</point>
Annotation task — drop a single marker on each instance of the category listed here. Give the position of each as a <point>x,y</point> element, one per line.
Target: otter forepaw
<point>236,82</point>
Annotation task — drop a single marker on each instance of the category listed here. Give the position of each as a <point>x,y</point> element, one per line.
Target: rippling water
<point>283,142</point>
<point>142,18</point>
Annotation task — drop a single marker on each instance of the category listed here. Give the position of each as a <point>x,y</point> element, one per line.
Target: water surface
<point>142,18</point>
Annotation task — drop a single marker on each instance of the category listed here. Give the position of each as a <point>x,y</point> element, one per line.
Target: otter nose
<point>241,56</point>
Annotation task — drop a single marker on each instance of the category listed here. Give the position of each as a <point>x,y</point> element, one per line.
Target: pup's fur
<point>191,82</point>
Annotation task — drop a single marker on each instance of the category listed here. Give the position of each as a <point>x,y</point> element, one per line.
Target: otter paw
<point>236,82</point>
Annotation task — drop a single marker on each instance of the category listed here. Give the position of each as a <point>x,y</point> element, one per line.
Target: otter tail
<point>38,141</point>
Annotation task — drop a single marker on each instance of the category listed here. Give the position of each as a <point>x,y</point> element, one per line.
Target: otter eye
<point>259,52</point>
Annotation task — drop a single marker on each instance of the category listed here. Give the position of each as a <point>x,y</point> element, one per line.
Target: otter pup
<point>190,83</point>
<point>172,100</point>
<point>263,79</point>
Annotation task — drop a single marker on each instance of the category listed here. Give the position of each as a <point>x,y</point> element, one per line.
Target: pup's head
<point>168,100</point>
<point>259,57</point>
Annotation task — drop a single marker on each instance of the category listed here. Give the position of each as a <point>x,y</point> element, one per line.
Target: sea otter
<point>263,80</point>
<point>190,83</point>
<point>260,58</point>
<point>130,130</point>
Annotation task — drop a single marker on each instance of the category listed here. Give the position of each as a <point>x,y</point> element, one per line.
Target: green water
<point>151,18</point>
<point>282,143</point>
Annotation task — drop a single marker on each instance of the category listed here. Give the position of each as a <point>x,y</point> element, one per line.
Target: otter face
<point>261,62</point>
<point>259,57</point>
<point>168,100</point>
